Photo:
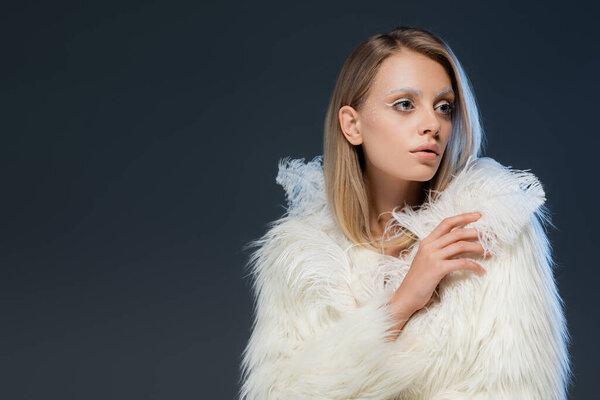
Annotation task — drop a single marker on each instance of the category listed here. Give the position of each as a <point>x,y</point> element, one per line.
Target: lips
<point>425,155</point>
<point>427,147</point>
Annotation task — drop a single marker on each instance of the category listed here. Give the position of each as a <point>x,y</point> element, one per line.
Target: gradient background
<point>140,143</point>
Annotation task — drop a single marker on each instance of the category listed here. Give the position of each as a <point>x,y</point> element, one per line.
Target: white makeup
<point>401,100</point>
<point>416,92</point>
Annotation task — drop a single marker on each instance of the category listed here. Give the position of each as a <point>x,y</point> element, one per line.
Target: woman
<point>380,282</point>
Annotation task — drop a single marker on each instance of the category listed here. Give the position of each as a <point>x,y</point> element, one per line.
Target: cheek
<point>383,131</point>
<point>385,140</point>
<point>446,133</point>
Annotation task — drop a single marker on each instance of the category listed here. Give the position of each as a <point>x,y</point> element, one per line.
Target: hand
<point>435,258</point>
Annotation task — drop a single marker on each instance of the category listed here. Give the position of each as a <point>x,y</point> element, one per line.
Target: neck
<point>385,193</point>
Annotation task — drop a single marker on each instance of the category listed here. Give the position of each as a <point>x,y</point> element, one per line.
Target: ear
<point>350,124</point>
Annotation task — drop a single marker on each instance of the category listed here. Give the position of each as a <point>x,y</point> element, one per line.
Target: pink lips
<point>428,146</point>
<point>425,155</point>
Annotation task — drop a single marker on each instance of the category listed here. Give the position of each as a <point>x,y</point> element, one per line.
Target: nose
<point>430,123</point>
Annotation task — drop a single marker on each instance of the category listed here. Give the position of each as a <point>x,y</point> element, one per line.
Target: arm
<point>304,343</point>
<point>523,350</point>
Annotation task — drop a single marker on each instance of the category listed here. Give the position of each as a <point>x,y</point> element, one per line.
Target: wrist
<point>399,310</point>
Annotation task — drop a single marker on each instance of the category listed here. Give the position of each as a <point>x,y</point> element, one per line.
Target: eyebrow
<point>408,89</point>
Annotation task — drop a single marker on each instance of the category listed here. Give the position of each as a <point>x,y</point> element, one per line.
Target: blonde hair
<point>343,162</point>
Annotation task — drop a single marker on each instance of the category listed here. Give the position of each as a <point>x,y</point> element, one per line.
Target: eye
<point>448,108</point>
<point>400,104</point>
<point>404,105</point>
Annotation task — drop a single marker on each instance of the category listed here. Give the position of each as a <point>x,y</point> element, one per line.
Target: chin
<point>427,172</point>
<point>425,179</point>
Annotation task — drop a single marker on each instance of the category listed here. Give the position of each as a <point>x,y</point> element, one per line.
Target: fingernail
<point>477,213</point>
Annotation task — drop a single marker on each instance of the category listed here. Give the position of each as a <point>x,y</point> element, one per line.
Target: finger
<point>462,264</point>
<point>454,236</point>
<point>450,223</point>
<point>459,249</point>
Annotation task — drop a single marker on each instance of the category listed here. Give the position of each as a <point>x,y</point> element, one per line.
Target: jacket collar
<point>507,199</point>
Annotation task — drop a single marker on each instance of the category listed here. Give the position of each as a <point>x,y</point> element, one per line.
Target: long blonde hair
<point>343,163</point>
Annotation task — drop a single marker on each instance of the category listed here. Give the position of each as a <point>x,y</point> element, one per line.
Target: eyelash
<point>399,101</point>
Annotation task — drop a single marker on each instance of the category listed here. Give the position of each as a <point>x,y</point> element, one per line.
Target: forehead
<point>409,68</point>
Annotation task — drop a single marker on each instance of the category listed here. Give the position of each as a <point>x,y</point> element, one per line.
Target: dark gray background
<point>140,143</point>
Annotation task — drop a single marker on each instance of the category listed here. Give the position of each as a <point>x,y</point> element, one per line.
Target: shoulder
<point>486,179</point>
<point>307,230</point>
<point>512,203</point>
<point>509,200</point>
<point>296,256</point>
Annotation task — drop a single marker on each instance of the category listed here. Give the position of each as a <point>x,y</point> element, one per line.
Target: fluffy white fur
<point>321,319</point>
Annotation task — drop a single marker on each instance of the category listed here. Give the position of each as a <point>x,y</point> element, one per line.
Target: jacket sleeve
<point>304,344</point>
<point>523,338</point>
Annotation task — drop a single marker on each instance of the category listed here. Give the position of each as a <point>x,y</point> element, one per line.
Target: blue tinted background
<point>140,142</point>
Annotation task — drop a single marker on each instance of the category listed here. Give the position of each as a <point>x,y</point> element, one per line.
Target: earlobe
<point>350,125</point>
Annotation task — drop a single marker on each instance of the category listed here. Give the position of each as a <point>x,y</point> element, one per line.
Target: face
<point>409,104</point>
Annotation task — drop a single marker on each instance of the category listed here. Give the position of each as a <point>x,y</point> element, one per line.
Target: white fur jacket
<point>321,318</point>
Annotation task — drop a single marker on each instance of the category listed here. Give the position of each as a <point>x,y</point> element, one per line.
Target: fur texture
<point>320,301</point>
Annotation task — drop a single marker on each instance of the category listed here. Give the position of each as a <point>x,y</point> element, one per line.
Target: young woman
<point>380,282</point>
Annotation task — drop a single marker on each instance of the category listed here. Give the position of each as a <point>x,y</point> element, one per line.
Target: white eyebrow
<point>418,92</point>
